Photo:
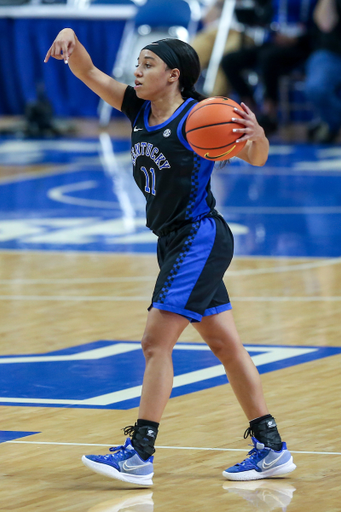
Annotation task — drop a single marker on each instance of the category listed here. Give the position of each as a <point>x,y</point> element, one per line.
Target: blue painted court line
<point>10,435</point>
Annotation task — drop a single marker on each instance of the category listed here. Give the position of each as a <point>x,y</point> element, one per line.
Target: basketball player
<point>195,247</point>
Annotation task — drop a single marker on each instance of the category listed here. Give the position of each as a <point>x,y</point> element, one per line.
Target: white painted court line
<point>315,298</point>
<point>284,268</point>
<point>129,298</point>
<point>308,265</point>
<point>96,353</point>
<point>74,298</point>
<point>86,280</point>
<point>195,448</point>
<point>279,210</point>
<point>60,194</point>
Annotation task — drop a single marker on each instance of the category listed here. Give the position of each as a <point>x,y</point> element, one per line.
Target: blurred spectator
<point>323,73</point>
<point>287,44</point>
<point>39,116</point>
<point>204,41</point>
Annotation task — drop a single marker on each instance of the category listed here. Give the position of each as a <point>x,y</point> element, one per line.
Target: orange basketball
<point>209,129</point>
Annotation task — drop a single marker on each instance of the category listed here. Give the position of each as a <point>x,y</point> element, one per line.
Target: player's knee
<point>152,346</point>
<point>148,344</point>
<point>218,347</point>
<point>225,351</point>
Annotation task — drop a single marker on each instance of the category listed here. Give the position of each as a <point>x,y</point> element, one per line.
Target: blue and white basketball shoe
<point>262,462</point>
<point>125,465</point>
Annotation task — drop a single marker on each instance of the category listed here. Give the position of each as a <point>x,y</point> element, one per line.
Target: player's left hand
<point>250,129</point>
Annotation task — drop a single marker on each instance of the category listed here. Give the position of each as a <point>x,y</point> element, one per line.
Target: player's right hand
<point>63,46</point>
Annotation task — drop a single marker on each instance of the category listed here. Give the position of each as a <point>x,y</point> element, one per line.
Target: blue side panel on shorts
<point>189,265</point>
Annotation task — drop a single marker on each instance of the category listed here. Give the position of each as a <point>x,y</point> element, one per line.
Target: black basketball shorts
<point>192,261</point>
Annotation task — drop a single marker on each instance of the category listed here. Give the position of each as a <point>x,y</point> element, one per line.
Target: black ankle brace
<point>265,430</point>
<point>143,437</point>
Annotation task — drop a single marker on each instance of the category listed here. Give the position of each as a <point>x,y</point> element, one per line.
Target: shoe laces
<point>248,432</point>
<point>253,457</point>
<point>121,452</point>
<point>130,430</point>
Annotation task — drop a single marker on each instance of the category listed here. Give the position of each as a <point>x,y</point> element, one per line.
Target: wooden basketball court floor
<point>69,294</point>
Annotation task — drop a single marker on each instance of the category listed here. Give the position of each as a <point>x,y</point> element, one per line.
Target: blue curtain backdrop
<point>23,46</point>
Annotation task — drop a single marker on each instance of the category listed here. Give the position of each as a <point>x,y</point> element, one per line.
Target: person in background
<point>287,45</point>
<point>323,73</point>
<point>204,40</point>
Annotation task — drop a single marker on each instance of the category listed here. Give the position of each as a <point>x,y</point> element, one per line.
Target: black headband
<point>165,52</point>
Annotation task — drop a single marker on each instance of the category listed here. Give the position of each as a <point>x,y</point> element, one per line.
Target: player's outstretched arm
<point>67,47</point>
<point>256,150</point>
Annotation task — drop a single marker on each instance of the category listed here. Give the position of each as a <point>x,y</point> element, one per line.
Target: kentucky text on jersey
<point>147,149</point>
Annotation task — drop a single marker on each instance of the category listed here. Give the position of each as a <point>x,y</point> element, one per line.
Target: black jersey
<point>174,180</point>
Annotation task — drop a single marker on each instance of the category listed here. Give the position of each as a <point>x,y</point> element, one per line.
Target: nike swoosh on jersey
<point>127,467</point>
<point>136,129</point>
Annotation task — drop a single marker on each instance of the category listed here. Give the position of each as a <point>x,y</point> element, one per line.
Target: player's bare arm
<point>67,47</point>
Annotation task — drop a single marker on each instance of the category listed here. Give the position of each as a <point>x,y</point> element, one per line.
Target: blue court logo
<point>108,374</point>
